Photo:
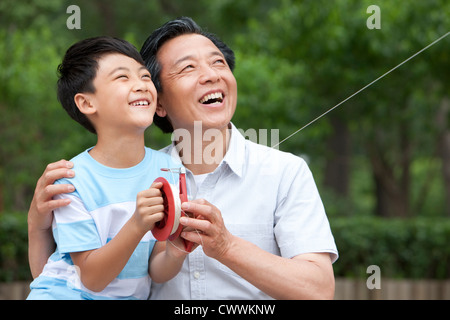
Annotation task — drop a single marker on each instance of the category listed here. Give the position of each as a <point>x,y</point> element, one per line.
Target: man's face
<point>197,84</point>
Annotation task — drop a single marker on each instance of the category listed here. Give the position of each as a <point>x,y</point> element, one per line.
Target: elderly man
<point>259,220</point>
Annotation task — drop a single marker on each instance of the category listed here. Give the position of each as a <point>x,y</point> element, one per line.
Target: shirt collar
<point>235,156</point>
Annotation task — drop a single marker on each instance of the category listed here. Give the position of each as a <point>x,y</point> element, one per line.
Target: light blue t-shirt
<point>104,200</point>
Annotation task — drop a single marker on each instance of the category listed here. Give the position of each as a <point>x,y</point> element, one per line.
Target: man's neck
<point>203,154</point>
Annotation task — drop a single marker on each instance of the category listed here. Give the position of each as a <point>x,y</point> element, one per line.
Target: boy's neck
<point>119,153</point>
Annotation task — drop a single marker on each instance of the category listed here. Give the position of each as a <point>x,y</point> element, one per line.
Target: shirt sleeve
<point>301,223</point>
<point>74,228</point>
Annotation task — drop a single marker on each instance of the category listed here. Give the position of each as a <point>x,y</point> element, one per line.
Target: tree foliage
<point>385,151</point>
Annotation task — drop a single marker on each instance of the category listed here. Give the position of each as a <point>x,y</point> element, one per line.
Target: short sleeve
<point>74,228</point>
<point>302,225</point>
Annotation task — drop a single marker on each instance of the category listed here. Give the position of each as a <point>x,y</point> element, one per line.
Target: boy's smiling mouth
<point>140,103</point>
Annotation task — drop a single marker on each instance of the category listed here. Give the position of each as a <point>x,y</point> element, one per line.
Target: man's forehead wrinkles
<point>197,57</point>
<point>185,58</point>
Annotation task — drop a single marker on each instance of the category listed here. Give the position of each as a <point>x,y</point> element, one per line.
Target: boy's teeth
<point>140,103</point>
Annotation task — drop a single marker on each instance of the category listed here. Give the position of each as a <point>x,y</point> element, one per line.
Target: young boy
<point>104,245</point>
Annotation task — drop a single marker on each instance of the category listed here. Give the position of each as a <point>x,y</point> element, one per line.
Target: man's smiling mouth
<point>212,98</point>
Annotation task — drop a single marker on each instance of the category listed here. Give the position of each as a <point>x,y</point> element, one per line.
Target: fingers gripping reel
<point>170,227</point>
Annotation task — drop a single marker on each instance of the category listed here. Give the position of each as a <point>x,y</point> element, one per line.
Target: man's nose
<point>209,74</point>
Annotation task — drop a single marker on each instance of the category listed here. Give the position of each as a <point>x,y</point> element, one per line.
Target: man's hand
<point>209,229</point>
<point>40,213</point>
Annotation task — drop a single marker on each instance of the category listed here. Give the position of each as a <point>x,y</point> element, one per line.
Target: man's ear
<point>160,111</point>
<point>83,102</point>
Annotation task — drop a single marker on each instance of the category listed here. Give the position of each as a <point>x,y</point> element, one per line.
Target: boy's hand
<point>149,208</point>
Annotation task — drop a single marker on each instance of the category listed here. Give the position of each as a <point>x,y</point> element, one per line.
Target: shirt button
<point>196,274</point>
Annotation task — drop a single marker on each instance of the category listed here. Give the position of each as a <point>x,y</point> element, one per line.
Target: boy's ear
<point>160,111</point>
<point>83,102</point>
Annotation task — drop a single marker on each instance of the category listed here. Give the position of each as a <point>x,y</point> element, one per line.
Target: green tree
<point>385,150</point>
<point>337,54</point>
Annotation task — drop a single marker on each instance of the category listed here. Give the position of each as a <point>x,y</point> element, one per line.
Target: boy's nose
<point>141,86</point>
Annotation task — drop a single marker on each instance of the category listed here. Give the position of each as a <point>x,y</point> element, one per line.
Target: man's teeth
<point>139,103</point>
<point>213,97</point>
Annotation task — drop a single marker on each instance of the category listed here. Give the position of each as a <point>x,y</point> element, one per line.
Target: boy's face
<point>124,98</point>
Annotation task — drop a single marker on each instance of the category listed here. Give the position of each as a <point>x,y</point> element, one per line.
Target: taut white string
<point>362,89</point>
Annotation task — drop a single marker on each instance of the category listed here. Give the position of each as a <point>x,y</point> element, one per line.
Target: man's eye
<point>188,67</point>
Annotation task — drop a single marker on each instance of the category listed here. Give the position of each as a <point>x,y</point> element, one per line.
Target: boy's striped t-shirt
<point>104,200</point>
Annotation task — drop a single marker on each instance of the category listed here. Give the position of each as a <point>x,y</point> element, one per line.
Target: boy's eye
<point>147,76</point>
<point>124,76</point>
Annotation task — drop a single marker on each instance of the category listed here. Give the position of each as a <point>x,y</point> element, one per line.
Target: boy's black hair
<point>166,32</point>
<point>79,69</point>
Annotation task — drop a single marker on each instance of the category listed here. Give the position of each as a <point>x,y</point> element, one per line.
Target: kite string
<point>362,89</point>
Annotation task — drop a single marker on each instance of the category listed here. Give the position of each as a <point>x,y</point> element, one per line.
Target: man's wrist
<point>228,253</point>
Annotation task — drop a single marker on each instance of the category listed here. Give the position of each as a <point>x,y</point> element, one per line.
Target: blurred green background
<point>383,156</point>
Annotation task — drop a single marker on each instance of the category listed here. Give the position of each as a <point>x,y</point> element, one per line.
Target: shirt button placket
<point>197,271</point>
<point>197,258</point>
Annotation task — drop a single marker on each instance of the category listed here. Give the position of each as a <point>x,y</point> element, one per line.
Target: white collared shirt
<point>267,197</point>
